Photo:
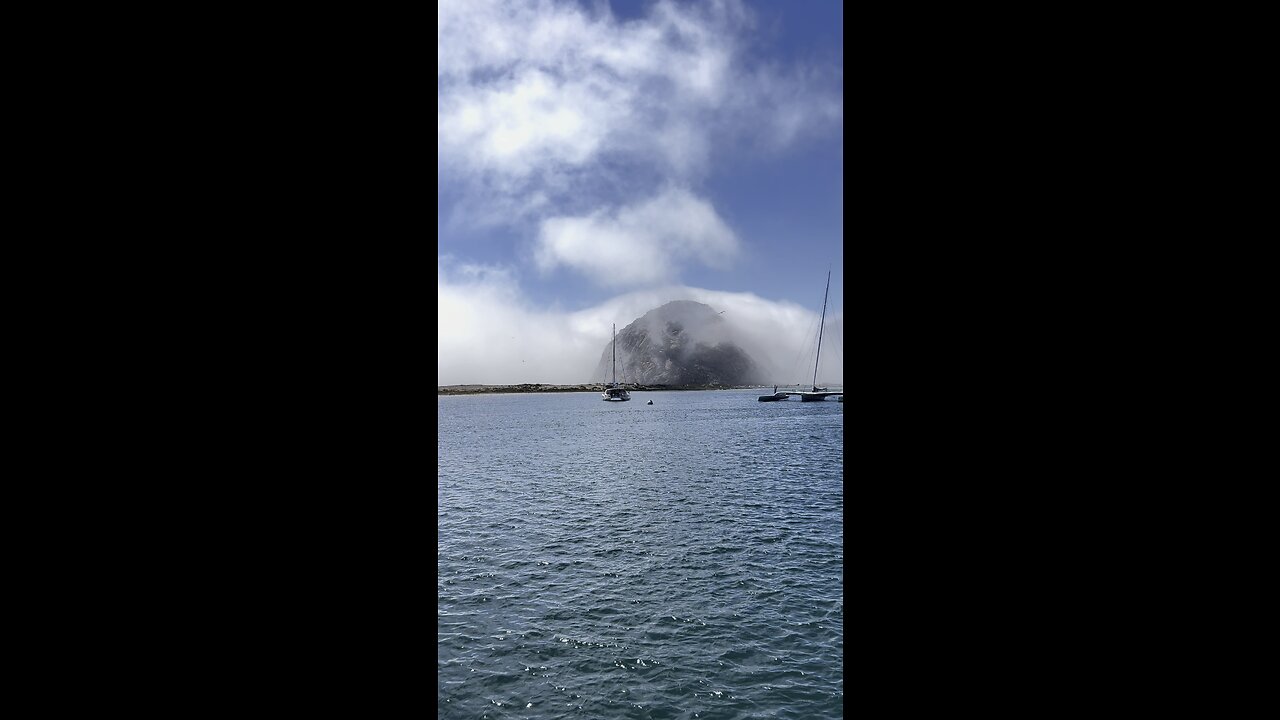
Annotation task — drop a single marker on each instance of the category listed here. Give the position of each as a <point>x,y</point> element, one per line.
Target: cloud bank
<point>490,334</point>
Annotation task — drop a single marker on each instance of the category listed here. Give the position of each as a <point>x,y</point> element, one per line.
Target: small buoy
<point>650,402</point>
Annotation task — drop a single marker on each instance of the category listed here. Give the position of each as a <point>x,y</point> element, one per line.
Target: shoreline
<point>589,387</point>
<point>582,387</point>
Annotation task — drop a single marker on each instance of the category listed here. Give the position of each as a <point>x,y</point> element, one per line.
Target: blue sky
<point>596,159</point>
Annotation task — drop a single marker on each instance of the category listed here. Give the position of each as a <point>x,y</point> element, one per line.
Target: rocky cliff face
<point>680,343</point>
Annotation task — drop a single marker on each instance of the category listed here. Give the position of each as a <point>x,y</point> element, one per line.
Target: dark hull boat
<point>816,393</point>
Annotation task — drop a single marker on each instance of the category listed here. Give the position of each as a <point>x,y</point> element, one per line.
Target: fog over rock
<point>680,343</point>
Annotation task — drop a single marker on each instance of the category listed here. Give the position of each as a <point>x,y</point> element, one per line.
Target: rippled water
<point>622,560</point>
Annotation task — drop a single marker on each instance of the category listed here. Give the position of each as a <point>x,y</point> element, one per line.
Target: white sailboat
<point>613,392</point>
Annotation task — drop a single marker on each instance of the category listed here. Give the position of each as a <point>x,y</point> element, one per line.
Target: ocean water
<point>622,560</point>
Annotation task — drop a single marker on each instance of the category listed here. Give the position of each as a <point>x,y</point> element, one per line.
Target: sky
<point>597,159</point>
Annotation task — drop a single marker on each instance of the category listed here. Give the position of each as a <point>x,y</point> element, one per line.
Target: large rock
<point>680,343</point>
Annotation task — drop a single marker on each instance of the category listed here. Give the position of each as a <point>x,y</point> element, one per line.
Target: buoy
<point>650,402</point>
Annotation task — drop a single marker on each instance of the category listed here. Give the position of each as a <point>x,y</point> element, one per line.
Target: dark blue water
<point>622,560</point>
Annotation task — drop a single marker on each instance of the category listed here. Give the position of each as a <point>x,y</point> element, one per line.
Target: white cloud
<point>490,334</point>
<point>638,244</point>
<point>524,123</point>
<point>547,109</point>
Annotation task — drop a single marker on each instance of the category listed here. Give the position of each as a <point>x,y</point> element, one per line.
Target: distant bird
<point>720,313</point>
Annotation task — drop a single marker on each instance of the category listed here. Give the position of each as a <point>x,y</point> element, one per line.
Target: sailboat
<point>816,393</point>
<point>613,392</point>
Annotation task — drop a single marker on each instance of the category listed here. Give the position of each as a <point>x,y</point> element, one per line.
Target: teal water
<point>621,560</point>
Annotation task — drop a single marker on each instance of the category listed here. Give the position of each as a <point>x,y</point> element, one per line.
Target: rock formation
<point>680,343</point>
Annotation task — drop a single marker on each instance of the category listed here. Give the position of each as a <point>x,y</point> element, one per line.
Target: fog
<point>490,334</point>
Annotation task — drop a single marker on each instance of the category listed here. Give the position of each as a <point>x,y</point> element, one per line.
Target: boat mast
<point>820,325</point>
<point>615,354</point>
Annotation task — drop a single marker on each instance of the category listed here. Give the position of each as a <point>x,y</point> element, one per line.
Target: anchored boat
<point>816,393</point>
<point>613,392</point>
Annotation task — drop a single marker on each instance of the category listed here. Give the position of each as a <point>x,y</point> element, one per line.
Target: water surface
<point>622,560</point>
